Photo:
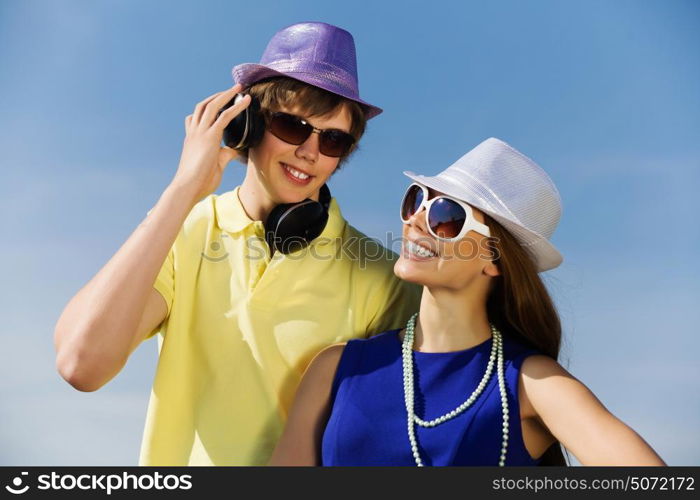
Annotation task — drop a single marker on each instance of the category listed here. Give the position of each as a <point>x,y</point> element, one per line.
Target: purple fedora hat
<point>319,54</point>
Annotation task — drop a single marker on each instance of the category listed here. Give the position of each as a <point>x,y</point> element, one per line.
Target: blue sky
<point>603,95</point>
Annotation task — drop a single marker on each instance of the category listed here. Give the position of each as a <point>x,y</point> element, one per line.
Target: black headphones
<point>290,226</point>
<point>247,128</point>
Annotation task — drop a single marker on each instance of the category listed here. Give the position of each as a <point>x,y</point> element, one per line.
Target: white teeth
<point>419,250</point>
<point>296,173</point>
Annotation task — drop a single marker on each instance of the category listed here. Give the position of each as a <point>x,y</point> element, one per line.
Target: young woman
<point>473,379</point>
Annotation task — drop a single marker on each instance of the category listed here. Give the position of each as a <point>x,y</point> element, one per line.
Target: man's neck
<point>255,201</point>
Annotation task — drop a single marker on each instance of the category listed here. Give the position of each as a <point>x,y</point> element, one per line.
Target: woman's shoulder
<point>328,357</point>
<point>376,343</point>
<point>358,351</point>
<point>384,336</point>
<point>538,366</point>
<point>529,361</point>
<point>516,348</point>
<point>321,370</point>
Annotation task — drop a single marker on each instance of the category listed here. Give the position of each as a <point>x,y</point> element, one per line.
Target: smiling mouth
<point>419,251</point>
<point>296,175</point>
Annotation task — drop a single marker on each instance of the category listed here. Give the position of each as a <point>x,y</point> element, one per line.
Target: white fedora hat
<point>507,185</point>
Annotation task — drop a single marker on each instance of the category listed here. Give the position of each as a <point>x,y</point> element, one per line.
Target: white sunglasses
<point>447,218</point>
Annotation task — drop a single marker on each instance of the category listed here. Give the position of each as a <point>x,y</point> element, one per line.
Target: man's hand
<point>203,159</point>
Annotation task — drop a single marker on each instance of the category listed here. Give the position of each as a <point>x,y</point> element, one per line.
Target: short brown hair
<point>275,93</point>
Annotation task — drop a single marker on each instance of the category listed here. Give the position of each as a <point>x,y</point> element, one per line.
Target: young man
<point>240,322</point>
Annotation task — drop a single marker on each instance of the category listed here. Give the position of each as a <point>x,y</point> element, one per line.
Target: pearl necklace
<point>407,357</point>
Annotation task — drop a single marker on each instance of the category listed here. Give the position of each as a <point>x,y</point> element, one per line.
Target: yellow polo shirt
<point>242,328</point>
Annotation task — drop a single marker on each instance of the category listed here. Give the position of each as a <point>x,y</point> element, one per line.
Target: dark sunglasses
<point>295,130</point>
<point>447,218</point>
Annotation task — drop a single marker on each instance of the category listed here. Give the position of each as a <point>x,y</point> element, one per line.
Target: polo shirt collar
<point>231,216</point>
<point>336,223</point>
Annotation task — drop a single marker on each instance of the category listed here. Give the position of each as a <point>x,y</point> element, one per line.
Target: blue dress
<point>368,426</point>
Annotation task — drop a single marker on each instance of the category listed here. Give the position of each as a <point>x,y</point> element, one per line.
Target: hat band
<point>482,194</point>
<point>325,71</point>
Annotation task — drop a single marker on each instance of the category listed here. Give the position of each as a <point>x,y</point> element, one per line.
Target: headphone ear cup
<point>271,224</point>
<point>292,226</point>
<point>236,131</point>
<point>247,128</point>
<point>316,224</point>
